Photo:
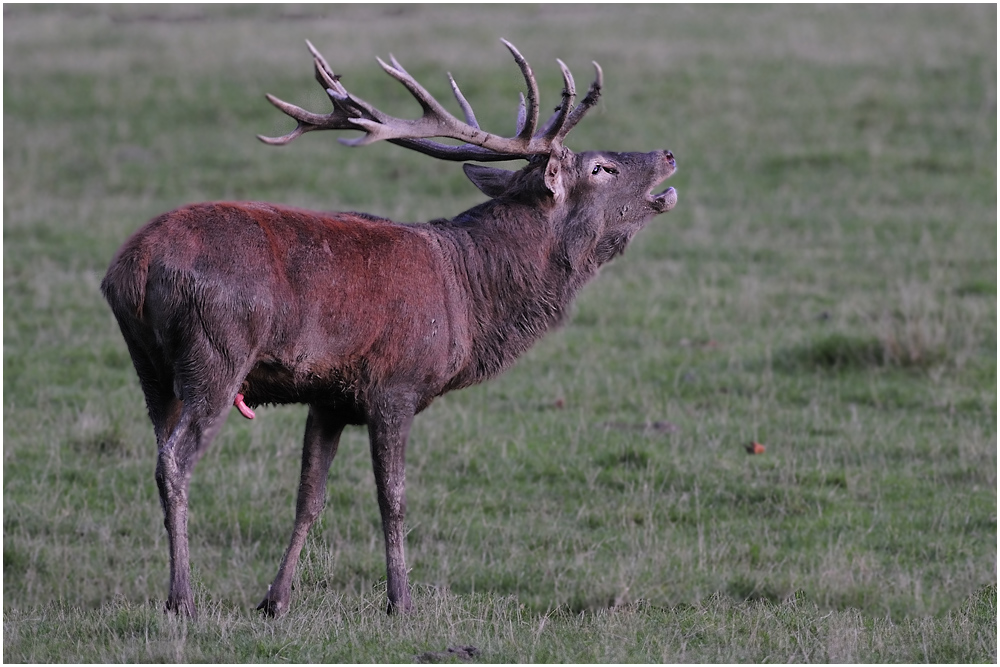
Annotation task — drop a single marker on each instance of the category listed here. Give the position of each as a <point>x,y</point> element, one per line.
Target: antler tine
<point>435,122</point>
<point>299,130</point>
<point>430,105</point>
<point>350,105</point>
<point>530,105</point>
<point>522,115</point>
<point>593,95</point>
<point>552,132</point>
<point>307,121</point>
<point>324,73</point>
<point>470,115</point>
<point>339,119</point>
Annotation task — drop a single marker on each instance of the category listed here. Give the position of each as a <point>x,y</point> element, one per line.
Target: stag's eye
<point>599,167</point>
<point>610,170</point>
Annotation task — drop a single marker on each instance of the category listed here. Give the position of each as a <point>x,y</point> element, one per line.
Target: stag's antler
<point>352,113</point>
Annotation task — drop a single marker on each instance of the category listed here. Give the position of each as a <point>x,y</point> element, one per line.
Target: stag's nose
<point>670,158</point>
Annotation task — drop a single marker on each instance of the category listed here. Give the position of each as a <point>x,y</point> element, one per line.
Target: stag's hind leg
<point>199,423</point>
<point>206,395</point>
<point>172,426</point>
<point>318,449</point>
<point>183,432</point>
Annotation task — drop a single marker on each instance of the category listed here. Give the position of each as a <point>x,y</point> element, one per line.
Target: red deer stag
<point>364,319</point>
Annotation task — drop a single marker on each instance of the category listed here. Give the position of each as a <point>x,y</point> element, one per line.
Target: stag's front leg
<point>388,431</point>
<point>318,449</point>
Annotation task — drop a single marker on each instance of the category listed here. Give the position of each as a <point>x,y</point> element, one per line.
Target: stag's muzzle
<point>667,199</point>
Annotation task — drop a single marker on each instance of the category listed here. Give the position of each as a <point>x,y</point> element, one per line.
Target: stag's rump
<point>300,306</point>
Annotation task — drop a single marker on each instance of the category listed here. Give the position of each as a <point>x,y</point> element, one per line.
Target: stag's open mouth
<point>667,199</point>
<point>664,201</point>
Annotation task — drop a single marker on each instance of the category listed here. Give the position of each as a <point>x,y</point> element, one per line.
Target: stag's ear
<point>556,173</point>
<point>491,181</point>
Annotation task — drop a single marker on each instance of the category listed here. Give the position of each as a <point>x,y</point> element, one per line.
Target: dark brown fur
<point>363,319</point>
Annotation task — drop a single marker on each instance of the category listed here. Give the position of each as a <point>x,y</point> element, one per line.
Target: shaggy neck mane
<point>514,265</point>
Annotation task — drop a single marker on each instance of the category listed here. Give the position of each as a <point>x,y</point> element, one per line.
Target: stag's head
<point>605,197</point>
<point>599,199</point>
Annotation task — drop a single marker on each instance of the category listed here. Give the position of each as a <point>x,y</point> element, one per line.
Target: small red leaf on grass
<point>755,448</point>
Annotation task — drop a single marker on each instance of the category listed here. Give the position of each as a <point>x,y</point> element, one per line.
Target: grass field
<point>826,286</point>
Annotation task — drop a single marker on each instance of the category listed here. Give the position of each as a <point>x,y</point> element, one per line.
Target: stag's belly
<point>270,382</point>
<point>351,388</point>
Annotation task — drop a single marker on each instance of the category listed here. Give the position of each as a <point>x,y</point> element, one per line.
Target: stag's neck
<point>515,280</point>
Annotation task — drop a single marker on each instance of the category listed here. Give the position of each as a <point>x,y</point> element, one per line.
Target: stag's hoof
<point>181,607</point>
<point>462,653</point>
<point>399,607</point>
<point>272,608</point>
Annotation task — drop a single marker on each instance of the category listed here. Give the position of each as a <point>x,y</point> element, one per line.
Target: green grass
<point>355,629</point>
<point>826,286</point>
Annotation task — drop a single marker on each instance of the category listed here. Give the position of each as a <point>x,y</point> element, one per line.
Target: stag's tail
<point>124,286</point>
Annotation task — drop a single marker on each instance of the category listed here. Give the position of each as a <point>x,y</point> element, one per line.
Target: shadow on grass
<point>834,352</point>
<point>744,588</point>
<point>842,352</point>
